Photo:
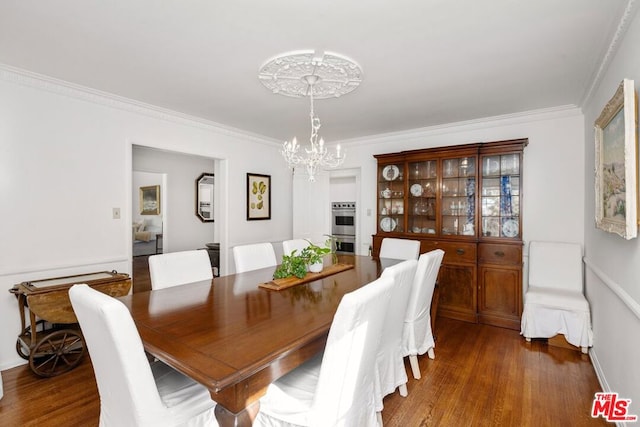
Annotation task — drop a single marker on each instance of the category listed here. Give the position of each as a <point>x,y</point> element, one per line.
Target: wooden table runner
<point>287,282</point>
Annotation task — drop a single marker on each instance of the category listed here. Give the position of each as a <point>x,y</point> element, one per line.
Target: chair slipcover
<point>554,302</point>
<point>253,257</point>
<point>132,392</point>
<point>298,245</point>
<point>399,248</point>
<point>417,336</point>
<point>178,268</point>
<point>335,388</point>
<point>390,371</point>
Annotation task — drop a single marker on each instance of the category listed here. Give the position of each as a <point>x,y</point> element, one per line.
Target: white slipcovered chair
<point>390,371</point>
<point>554,302</point>
<point>133,392</point>
<point>298,245</point>
<point>253,257</point>
<point>178,268</point>
<point>392,248</point>
<point>417,336</point>
<point>335,388</point>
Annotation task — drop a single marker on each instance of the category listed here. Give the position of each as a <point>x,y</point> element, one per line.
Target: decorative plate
<point>388,224</point>
<point>510,228</point>
<point>390,172</point>
<point>416,190</point>
<point>492,167</point>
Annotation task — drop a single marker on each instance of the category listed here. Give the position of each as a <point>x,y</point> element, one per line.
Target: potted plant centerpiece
<point>313,255</point>
<point>310,259</point>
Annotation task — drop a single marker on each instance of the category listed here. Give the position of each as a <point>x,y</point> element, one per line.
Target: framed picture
<point>258,196</point>
<point>616,164</point>
<point>150,200</point>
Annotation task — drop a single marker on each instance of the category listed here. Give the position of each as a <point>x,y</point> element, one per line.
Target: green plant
<point>292,265</point>
<point>313,253</point>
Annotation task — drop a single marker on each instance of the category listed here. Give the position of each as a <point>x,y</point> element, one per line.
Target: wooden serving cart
<point>52,341</point>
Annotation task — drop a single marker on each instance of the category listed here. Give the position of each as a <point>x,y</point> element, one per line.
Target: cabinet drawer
<point>454,252</point>
<point>491,253</point>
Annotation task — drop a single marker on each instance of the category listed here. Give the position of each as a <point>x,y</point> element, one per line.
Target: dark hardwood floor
<point>140,274</point>
<point>481,376</point>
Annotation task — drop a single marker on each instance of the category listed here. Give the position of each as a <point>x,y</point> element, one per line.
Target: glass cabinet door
<point>500,195</point>
<point>391,198</point>
<point>458,196</point>
<point>422,197</point>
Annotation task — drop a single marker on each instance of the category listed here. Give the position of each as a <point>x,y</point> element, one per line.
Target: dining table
<point>236,337</point>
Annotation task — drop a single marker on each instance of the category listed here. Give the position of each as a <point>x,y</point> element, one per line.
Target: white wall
<point>66,162</point>
<point>343,189</point>
<point>612,263</point>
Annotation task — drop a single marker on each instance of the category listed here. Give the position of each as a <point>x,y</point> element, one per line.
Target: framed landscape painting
<point>616,164</point>
<point>150,200</point>
<point>258,196</point>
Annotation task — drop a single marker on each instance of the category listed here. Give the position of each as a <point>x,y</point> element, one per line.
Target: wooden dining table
<point>235,337</point>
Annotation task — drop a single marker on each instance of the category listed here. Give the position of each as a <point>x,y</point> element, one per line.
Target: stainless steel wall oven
<point>343,226</point>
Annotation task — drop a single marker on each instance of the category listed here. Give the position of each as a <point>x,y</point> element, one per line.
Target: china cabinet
<point>465,200</point>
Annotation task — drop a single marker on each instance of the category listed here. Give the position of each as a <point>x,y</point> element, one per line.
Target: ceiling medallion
<point>318,75</point>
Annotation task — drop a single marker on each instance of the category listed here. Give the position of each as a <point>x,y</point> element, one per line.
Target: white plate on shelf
<point>390,172</point>
<point>416,190</point>
<point>510,228</point>
<point>491,167</point>
<point>388,224</point>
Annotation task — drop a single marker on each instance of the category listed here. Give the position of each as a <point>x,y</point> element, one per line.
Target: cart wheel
<point>56,353</point>
<point>20,350</point>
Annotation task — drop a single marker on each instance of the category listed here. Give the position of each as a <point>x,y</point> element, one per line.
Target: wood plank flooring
<point>481,376</point>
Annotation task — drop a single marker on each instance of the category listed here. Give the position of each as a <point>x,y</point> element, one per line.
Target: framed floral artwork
<point>258,196</point>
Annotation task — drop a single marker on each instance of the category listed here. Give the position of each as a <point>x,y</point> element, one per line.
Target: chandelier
<point>316,75</point>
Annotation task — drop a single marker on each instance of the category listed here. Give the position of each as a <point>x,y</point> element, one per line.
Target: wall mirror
<point>204,197</point>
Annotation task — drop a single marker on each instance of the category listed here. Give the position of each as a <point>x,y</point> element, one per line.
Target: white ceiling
<point>425,62</point>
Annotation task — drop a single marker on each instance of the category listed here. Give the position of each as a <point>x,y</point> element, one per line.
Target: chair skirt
<point>539,321</point>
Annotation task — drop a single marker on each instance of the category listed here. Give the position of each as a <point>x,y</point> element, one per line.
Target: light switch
<point>116,213</point>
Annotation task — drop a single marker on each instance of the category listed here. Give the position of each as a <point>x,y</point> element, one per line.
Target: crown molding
<point>469,125</point>
<point>50,84</point>
<point>623,26</point>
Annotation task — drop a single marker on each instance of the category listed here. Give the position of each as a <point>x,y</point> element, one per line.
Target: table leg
<point>243,418</point>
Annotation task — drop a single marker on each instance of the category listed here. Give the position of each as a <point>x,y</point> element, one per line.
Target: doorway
<point>177,226</point>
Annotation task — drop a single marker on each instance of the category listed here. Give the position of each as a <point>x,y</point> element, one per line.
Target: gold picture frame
<point>150,200</point>
<point>616,158</point>
<point>258,196</point>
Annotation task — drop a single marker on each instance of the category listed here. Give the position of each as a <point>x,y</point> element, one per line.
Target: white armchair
<point>417,337</point>
<point>555,302</point>
<point>133,392</point>
<point>178,268</point>
<point>335,388</point>
<point>390,370</point>
<point>253,257</point>
<point>297,245</point>
<point>399,248</point>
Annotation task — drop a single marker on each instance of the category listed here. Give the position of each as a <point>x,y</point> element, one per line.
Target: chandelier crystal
<point>305,73</point>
